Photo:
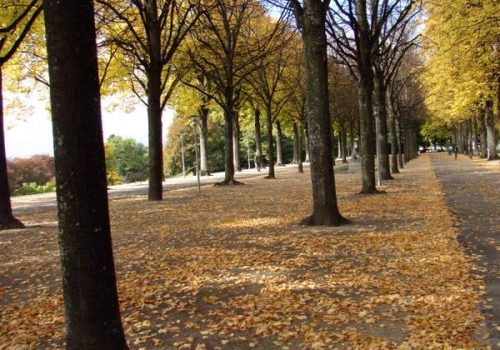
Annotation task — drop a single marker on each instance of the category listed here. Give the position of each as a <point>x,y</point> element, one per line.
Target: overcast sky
<point>33,135</point>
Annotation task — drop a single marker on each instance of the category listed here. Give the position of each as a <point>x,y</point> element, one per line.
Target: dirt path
<point>472,191</point>
<point>231,269</point>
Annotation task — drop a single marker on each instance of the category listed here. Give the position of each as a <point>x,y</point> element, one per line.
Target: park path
<point>472,191</point>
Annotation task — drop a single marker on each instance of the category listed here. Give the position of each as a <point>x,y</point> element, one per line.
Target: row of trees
<point>461,75</point>
<point>232,53</point>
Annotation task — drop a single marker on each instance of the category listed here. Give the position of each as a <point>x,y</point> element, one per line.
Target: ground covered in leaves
<point>231,269</point>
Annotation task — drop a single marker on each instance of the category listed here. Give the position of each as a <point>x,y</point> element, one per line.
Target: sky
<point>33,134</point>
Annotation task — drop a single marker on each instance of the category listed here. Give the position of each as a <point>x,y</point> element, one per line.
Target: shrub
<point>113,178</point>
<point>34,188</point>
<point>38,169</point>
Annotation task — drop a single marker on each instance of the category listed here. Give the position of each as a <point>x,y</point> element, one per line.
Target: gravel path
<point>472,191</point>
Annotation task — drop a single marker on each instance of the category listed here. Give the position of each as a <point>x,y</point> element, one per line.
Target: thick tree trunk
<point>236,141</point>
<point>270,146</point>
<point>491,137</point>
<point>383,157</point>
<point>295,159</point>
<point>325,210</point>
<point>228,143</point>
<point>89,282</point>
<point>258,142</point>
<point>279,145</point>
<point>203,112</point>
<point>7,219</point>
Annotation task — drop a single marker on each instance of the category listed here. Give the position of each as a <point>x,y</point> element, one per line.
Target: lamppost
<point>182,156</point>
<point>195,138</point>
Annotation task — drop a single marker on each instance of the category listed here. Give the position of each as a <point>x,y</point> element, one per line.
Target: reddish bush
<point>38,168</point>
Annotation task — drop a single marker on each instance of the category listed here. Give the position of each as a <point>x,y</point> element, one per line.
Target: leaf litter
<point>231,269</point>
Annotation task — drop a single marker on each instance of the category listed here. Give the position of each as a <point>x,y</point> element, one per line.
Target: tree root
<point>231,182</point>
<point>11,224</point>
<point>309,221</point>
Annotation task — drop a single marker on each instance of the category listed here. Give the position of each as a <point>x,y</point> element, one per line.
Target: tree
<point>357,28</point>
<point>127,157</point>
<point>461,74</point>
<point>218,52</point>
<point>149,33</point>
<point>17,20</point>
<point>311,18</point>
<point>89,281</point>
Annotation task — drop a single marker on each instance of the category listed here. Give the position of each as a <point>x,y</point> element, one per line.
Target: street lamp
<point>195,138</point>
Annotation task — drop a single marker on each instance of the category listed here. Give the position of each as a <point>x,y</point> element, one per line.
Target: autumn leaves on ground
<point>231,269</point>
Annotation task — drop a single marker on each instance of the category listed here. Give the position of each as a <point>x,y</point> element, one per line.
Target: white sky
<point>33,135</point>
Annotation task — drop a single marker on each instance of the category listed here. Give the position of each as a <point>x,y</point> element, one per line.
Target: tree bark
<point>475,149</point>
<point>399,135</point>
<point>270,146</point>
<point>394,139</point>
<point>7,219</point>
<point>299,149</point>
<point>483,137</point>
<point>89,282</point>
<point>491,137</point>
<point>153,73</point>
<point>236,141</point>
<point>203,112</point>
<point>383,157</point>
<point>306,143</point>
<point>296,141</point>
<point>279,146</point>
<point>258,142</point>
<point>325,209</point>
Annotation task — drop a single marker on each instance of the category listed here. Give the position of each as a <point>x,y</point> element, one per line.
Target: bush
<point>34,188</point>
<point>113,178</point>
<point>38,169</point>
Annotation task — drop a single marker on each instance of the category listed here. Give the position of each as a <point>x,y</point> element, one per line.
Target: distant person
<point>258,162</point>
<point>455,151</point>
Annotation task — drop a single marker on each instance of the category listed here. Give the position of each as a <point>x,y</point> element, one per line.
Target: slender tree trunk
<point>474,136</point>
<point>7,219</point>
<point>343,143</point>
<point>300,143</point>
<point>203,112</point>
<point>236,141</point>
<point>258,143</point>
<point>366,131</point>
<point>491,137</point>
<point>306,143</point>
<point>295,143</point>
<point>228,142</point>
<point>89,282</point>
<point>394,140</point>
<point>279,146</point>
<point>270,147</point>
<point>382,158</point>
<point>399,137</point>
<point>325,210</point>
<point>483,136</point>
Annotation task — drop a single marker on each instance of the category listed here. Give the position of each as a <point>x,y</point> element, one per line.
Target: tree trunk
<point>228,142</point>
<point>270,147</point>
<point>295,159</point>
<point>366,128</point>
<point>394,140</point>
<point>399,135</point>
<point>474,136</point>
<point>89,282</point>
<point>343,143</point>
<point>306,143</point>
<point>7,219</point>
<point>325,210</point>
<point>258,143</point>
<point>236,141</point>
<point>203,112</point>
<point>300,144</point>
<point>491,137</point>
<point>483,136</point>
<point>383,157</point>
<point>279,146</point>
